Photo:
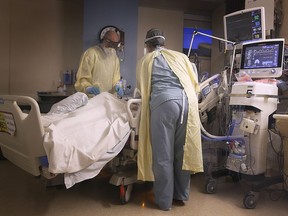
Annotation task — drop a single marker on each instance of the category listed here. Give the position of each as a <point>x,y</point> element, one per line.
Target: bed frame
<point>22,132</point>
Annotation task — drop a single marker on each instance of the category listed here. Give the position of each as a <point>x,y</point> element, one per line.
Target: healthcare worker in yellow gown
<point>169,147</point>
<point>99,69</point>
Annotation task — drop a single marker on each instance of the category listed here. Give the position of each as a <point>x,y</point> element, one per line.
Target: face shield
<point>112,44</point>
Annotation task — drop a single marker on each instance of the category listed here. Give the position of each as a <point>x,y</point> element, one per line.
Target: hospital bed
<point>77,143</point>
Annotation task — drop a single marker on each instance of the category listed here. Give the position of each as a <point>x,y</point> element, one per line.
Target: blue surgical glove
<point>119,90</point>
<point>92,90</point>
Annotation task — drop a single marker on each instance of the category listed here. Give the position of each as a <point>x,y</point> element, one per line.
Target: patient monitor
<point>244,25</point>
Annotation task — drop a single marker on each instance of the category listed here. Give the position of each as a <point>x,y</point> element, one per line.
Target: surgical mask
<point>154,37</point>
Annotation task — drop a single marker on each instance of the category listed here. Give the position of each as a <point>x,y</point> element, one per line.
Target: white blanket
<point>81,142</point>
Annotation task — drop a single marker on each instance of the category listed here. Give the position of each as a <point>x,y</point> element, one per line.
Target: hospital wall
<point>284,26</point>
<point>41,39</point>
<point>4,44</point>
<point>38,40</point>
<point>169,21</point>
<point>217,62</point>
<point>122,14</point>
<point>135,22</point>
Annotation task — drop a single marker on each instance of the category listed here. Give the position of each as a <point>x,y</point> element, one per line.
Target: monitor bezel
<point>238,44</point>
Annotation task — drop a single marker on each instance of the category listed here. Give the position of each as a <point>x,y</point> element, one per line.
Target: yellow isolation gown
<point>98,68</point>
<point>181,66</point>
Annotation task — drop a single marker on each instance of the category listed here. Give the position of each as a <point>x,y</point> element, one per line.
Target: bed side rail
<point>21,132</point>
<point>134,110</point>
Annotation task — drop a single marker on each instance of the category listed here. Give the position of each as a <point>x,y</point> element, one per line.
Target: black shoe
<point>178,202</point>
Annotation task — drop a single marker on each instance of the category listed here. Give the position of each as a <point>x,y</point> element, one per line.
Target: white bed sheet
<point>81,142</point>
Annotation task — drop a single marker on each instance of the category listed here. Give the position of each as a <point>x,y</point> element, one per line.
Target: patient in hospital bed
<point>70,139</point>
<point>79,137</point>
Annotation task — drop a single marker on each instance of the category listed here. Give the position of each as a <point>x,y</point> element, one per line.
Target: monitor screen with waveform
<point>263,59</point>
<point>244,25</point>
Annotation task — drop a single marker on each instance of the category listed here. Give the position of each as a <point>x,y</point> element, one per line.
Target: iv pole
<point>231,68</point>
<point>195,32</point>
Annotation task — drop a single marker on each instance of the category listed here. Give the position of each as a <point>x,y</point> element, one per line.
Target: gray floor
<point>23,194</point>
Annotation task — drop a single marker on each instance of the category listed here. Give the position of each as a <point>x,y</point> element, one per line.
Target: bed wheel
<point>125,193</point>
<point>250,200</point>
<point>210,186</point>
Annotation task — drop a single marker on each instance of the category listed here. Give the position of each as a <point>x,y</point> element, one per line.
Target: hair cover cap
<point>156,35</point>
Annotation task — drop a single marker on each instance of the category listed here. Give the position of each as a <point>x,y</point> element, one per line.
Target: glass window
<point>201,43</point>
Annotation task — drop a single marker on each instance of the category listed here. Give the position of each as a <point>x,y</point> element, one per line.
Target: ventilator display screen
<point>263,58</point>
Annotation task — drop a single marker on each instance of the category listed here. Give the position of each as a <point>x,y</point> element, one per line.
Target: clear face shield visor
<point>112,44</point>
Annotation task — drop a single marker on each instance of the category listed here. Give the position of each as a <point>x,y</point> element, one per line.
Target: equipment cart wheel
<point>211,186</point>
<point>250,200</point>
<point>125,193</point>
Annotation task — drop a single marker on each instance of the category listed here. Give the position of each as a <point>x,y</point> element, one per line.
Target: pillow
<point>69,104</point>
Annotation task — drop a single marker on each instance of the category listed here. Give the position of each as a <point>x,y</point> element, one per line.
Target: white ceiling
<point>188,6</point>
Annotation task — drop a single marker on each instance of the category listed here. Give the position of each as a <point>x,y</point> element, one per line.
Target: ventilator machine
<point>251,96</point>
